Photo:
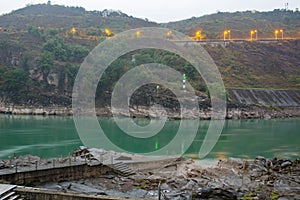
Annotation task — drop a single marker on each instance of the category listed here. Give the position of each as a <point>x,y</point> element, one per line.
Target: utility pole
<point>286,5</point>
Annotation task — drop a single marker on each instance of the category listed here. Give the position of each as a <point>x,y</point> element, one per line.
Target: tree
<point>37,32</point>
<point>45,62</point>
<point>143,58</point>
<point>57,48</point>
<point>65,52</point>
<point>24,62</point>
<point>14,80</point>
<point>67,75</point>
<point>76,53</point>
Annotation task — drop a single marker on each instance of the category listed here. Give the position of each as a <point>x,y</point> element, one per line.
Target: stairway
<point>7,192</point>
<point>122,169</point>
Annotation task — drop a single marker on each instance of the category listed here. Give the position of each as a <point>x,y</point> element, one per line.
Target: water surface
<point>51,136</point>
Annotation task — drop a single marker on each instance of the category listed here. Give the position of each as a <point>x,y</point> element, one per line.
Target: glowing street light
<point>198,35</point>
<point>276,32</point>
<point>281,31</point>
<point>225,33</point>
<point>169,35</point>
<point>252,32</point>
<point>107,32</point>
<point>73,31</point>
<point>138,33</point>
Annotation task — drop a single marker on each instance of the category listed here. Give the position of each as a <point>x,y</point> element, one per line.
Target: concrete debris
<point>182,178</point>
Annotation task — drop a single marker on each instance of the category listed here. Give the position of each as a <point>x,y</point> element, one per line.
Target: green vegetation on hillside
<point>42,47</point>
<point>240,24</point>
<point>63,18</point>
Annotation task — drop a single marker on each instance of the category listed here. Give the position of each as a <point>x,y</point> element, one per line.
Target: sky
<point>162,10</point>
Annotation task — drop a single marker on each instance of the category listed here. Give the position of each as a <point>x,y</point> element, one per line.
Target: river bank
<point>178,177</point>
<point>241,104</point>
<point>244,112</point>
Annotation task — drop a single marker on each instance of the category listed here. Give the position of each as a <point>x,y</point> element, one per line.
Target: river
<point>54,136</point>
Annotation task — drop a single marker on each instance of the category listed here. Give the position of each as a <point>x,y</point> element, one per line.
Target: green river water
<point>53,136</point>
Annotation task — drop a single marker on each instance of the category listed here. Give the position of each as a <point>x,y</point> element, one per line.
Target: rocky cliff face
<point>242,103</point>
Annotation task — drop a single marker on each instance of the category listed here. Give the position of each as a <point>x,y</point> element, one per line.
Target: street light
<point>107,32</point>
<point>225,33</point>
<point>252,32</point>
<point>281,31</point>
<point>276,32</point>
<point>138,33</point>
<point>73,31</point>
<point>198,35</point>
<point>169,35</point>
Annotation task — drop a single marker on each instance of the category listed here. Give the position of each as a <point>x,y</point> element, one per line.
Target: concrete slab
<point>4,188</point>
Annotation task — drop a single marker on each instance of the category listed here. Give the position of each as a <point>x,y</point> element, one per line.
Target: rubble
<point>184,178</point>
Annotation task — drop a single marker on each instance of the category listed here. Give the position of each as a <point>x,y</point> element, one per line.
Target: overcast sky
<point>161,10</point>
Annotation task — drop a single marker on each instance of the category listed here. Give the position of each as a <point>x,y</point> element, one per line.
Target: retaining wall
<point>35,193</point>
<point>66,173</point>
<point>278,98</point>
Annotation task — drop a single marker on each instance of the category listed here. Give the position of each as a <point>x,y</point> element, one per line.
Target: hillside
<point>64,18</point>
<point>258,65</point>
<point>240,24</point>
<point>42,47</point>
